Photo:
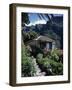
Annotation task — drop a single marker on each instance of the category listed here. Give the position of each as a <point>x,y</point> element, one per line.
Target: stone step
<point>38,70</point>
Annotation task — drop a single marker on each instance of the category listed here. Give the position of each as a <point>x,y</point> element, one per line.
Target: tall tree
<point>25,19</point>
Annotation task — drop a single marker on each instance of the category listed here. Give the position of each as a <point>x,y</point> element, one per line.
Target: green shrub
<point>28,68</point>
<point>39,56</point>
<point>46,63</point>
<point>43,62</point>
<point>50,63</point>
<point>30,35</point>
<point>55,55</point>
<point>36,50</point>
<point>57,67</point>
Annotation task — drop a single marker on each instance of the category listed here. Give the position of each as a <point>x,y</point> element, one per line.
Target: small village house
<point>43,42</point>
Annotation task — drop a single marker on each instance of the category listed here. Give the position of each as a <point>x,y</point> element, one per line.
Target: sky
<point>34,19</point>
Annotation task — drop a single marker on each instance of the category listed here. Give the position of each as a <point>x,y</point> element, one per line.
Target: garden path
<point>38,70</point>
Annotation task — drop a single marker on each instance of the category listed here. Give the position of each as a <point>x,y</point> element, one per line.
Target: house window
<point>49,45</point>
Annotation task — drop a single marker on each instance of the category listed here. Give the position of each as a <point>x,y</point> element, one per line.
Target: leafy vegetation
<point>51,63</point>
<point>30,35</point>
<point>28,68</point>
<point>25,19</point>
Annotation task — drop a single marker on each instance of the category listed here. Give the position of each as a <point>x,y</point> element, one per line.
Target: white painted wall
<point>4,45</point>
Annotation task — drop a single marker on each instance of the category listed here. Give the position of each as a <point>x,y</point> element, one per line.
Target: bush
<point>55,54</point>
<point>50,64</point>
<point>44,63</point>
<point>29,35</point>
<point>39,56</point>
<point>36,50</point>
<point>57,67</point>
<point>28,68</point>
